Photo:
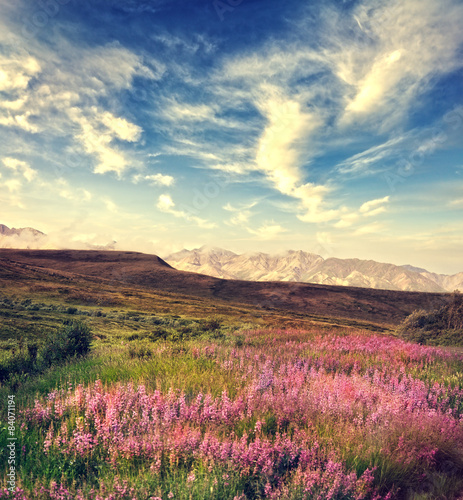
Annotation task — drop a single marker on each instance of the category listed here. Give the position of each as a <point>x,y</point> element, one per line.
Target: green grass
<point>142,345</point>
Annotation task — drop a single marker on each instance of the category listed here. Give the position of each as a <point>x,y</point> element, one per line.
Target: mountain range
<point>291,266</point>
<point>300,266</point>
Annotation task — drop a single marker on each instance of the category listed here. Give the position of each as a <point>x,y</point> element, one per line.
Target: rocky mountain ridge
<point>300,266</point>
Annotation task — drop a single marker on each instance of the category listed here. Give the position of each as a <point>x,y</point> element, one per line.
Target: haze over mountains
<point>311,268</point>
<point>6,231</point>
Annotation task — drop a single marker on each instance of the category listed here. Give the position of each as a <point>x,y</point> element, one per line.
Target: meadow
<point>188,408</point>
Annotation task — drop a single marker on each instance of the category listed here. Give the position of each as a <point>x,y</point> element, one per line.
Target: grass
<point>315,411</point>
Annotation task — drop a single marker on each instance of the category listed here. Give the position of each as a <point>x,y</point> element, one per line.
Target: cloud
<point>27,239</point>
<point>112,66</point>
<point>77,105</point>
<point>367,209</point>
<point>279,149</point>
<point>365,161</point>
<point>20,121</point>
<point>241,214</point>
<point>154,179</point>
<point>16,72</point>
<point>97,133</point>
<point>268,231</point>
<point>374,207</point>
<point>18,165</point>
<point>399,47</point>
<point>369,66</point>
<point>121,128</point>
<point>166,204</point>
<point>13,185</point>
<point>110,205</point>
<point>175,111</point>
<point>13,105</point>
<point>69,193</point>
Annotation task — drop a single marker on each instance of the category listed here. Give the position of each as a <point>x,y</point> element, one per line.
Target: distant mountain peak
<point>6,231</point>
<point>301,266</point>
<point>415,269</point>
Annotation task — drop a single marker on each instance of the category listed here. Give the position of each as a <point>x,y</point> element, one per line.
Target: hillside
<point>306,267</point>
<point>131,270</point>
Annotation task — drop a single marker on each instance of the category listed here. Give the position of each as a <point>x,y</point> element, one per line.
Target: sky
<point>253,125</point>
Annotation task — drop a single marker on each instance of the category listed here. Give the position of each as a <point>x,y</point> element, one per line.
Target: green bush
<point>72,340</point>
<point>443,326</point>
<point>140,351</point>
<point>211,324</point>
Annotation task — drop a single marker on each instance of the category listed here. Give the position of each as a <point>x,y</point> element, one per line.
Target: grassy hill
<point>115,271</point>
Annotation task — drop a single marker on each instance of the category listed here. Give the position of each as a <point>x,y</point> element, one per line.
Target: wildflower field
<point>253,414</point>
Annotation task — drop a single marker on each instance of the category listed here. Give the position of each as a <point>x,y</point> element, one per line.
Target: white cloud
<point>268,231</point>
<point>121,128</point>
<point>67,192</point>
<point>13,185</point>
<point>364,161</point>
<point>16,72</point>
<point>456,203</point>
<point>18,120</point>
<point>110,205</point>
<point>14,105</point>
<point>367,209</point>
<point>374,207</point>
<point>241,214</point>
<point>347,220</point>
<point>154,179</point>
<point>98,130</point>
<point>112,65</point>
<point>63,97</point>
<point>176,111</point>
<point>18,165</point>
<point>166,204</point>
<point>407,43</point>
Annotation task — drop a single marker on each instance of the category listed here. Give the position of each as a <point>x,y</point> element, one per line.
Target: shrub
<point>443,326</point>
<point>72,340</point>
<point>140,351</point>
<point>211,324</point>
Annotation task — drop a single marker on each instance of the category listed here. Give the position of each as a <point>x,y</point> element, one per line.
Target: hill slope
<point>141,271</point>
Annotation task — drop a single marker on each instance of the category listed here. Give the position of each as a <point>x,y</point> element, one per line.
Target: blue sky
<point>253,125</point>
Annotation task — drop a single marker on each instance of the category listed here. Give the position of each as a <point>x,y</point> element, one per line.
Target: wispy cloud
<point>166,204</point>
<point>18,165</point>
<point>70,193</point>
<point>97,134</point>
<point>400,46</point>
<point>367,161</point>
<point>241,214</point>
<point>374,207</point>
<point>368,209</point>
<point>370,72</point>
<point>268,231</point>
